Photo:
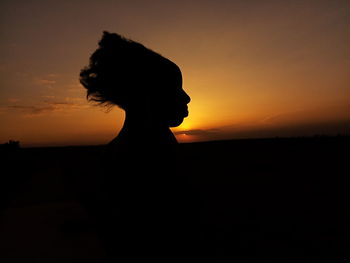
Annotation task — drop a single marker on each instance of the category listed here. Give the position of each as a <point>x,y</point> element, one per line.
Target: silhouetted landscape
<point>260,200</point>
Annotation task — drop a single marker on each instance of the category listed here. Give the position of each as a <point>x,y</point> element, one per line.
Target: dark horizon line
<point>315,136</point>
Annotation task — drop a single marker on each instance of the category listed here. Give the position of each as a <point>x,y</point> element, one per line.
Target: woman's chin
<point>175,122</point>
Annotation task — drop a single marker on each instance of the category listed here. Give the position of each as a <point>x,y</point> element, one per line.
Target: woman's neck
<point>144,129</point>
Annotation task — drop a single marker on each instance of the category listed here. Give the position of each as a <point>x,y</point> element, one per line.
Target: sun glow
<point>180,131</point>
<point>186,125</point>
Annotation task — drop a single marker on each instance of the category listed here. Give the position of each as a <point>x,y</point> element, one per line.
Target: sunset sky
<point>253,68</point>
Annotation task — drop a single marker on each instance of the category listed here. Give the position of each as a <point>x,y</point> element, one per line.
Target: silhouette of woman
<point>143,210</point>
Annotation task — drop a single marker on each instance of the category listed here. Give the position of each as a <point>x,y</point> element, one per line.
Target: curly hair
<point>121,69</point>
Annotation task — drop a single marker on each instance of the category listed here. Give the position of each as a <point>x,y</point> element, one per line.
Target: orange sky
<point>252,68</point>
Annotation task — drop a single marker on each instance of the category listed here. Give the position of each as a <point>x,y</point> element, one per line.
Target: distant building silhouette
<point>10,145</point>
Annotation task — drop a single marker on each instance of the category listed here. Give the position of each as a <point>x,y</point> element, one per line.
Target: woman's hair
<point>121,69</point>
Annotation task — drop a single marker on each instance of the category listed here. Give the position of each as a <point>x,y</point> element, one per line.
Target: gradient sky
<point>253,68</point>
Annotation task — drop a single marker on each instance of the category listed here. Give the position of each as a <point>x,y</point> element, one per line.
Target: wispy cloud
<point>31,110</point>
<point>75,99</point>
<point>48,96</point>
<point>46,80</point>
<point>13,100</point>
<point>281,116</point>
<point>48,106</point>
<point>74,87</point>
<point>198,132</point>
<point>52,75</point>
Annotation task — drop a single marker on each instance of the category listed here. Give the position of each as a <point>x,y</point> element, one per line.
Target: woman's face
<point>176,109</point>
<point>171,102</point>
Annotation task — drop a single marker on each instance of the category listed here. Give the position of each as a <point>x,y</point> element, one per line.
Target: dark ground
<point>264,200</point>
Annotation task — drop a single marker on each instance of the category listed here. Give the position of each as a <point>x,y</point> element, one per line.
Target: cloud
<point>52,75</point>
<point>13,100</point>
<point>75,99</point>
<point>65,105</point>
<point>68,103</point>
<point>198,132</point>
<point>46,80</point>
<point>31,110</point>
<point>74,87</point>
<point>282,116</point>
<point>48,96</point>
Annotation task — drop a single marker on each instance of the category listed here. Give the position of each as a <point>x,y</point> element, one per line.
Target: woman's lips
<point>182,112</point>
<point>186,113</point>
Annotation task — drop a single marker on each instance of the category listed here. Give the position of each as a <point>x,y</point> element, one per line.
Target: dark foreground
<point>272,200</point>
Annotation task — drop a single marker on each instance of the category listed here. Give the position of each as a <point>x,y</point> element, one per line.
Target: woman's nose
<point>187,98</point>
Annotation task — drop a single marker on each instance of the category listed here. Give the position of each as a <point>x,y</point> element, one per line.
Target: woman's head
<point>127,74</point>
